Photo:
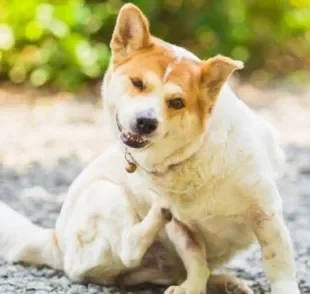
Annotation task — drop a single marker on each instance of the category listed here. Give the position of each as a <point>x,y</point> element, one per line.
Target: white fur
<point>224,183</point>
<point>222,188</point>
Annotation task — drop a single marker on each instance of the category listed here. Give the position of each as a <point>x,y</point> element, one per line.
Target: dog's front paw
<point>166,214</point>
<point>284,287</point>
<point>161,213</point>
<point>183,289</point>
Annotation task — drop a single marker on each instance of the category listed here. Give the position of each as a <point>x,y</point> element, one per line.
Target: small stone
<point>77,289</point>
<point>305,170</point>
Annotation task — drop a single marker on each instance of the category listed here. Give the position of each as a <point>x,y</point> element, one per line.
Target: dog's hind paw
<point>185,289</point>
<point>237,288</point>
<point>226,284</point>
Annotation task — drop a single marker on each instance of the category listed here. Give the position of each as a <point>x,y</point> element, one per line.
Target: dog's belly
<point>224,237</point>
<point>224,224</point>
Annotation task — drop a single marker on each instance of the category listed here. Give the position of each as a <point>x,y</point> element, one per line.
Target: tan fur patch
<point>270,255</point>
<point>54,239</point>
<point>131,33</point>
<point>88,235</point>
<point>179,78</point>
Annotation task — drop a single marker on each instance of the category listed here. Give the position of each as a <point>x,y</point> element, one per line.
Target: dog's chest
<point>208,201</point>
<point>194,192</point>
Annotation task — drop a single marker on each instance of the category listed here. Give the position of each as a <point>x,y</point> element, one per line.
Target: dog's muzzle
<point>129,138</point>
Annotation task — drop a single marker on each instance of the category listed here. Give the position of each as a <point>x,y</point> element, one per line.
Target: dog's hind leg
<point>226,284</point>
<point>138,239</point>
<point>21,240</point>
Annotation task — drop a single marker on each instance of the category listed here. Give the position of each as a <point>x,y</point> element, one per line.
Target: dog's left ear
<point>215,72</point>
<point>131,33</point>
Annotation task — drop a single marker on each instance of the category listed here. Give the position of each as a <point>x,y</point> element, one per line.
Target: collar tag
<point>130,166</point>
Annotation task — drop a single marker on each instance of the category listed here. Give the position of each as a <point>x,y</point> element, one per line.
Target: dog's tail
<point>21,240</point>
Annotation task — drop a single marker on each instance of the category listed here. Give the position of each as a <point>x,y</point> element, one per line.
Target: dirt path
<point>43,149</point>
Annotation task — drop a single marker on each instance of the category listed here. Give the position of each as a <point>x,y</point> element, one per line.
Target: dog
<point>185,144</point>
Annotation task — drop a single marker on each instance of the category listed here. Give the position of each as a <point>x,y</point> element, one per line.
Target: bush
<point>65,43</point>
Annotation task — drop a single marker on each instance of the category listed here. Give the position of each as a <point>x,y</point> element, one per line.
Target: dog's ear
<point>131,33</point>
<point>215,72</point>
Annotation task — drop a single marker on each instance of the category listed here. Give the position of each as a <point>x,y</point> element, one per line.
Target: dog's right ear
<point>215,72</point>
<point>131,33</point>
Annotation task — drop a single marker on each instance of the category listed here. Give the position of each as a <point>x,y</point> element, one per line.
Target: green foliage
<point>65,43</point>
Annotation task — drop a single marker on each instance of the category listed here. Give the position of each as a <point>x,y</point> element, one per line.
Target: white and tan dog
<point>199,151</point>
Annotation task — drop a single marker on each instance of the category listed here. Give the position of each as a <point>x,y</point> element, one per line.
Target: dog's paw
<point>73,270</point>
<point>166,214</point>
<point>184,290</point>
<point>129,257</point>
<point>226,284</point>
<point>237,288</point>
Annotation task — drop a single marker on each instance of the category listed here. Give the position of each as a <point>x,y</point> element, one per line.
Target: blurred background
<point>65,44</point>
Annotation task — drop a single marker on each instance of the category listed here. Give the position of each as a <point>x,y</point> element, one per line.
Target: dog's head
<point>159,96</point>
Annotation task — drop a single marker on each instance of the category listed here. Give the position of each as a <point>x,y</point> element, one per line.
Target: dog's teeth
<point>133,137</point>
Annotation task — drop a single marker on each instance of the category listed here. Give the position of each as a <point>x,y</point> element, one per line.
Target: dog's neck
<point>162,163</point>
<point>178,157</point>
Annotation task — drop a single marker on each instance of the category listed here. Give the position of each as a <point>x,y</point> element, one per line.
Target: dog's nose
<point>146,124</point>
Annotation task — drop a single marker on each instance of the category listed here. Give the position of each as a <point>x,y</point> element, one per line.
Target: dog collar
<point>131,165</point>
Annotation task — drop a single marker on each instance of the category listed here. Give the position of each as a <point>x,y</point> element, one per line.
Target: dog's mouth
<point>130,139</point>
<point>133,140</point>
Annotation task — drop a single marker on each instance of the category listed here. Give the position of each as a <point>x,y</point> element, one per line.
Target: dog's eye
<point>176,103</point>
<point>137,83</point>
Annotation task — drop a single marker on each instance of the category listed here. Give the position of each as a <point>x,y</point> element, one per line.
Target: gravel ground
<point>44,147</point>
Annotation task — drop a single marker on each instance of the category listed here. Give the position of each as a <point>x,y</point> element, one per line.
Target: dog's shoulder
<point>241,136</point>
<point>239,148</point>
